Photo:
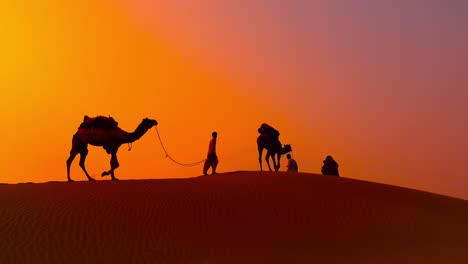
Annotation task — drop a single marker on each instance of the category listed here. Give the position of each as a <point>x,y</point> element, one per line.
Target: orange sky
<point>327,78</point>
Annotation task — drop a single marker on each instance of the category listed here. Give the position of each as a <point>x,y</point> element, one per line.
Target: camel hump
<point>268,130</point>
<point>101,122</point>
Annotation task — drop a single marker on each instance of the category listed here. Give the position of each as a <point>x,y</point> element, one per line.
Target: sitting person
<point>292,164</point>
<point>330,167</point>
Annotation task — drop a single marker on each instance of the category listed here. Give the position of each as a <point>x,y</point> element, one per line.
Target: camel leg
<point>76,147</point>
<point>114,165</point>
<point>260,152</point>
<point>69,162</point>
<point>274,161</point>
<point>267,158</point>
<point>83,154</point>
<point>277,167</point>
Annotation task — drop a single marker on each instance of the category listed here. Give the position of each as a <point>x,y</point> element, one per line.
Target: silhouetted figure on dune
<point>330,167</point>
<point>269,140</point>
<point>292,164</point>
<point>212,158</point>
<point>103,131</point>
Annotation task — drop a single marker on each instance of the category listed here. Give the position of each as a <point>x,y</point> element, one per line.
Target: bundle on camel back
<point>269,140</point>
<point>103,131</point>
<point>101,122</point>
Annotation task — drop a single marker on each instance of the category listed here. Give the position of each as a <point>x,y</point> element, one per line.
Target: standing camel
<point>103,131</point>
<point>273,147</point>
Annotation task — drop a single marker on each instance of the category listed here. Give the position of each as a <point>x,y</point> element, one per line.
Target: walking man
<point>211,159</point>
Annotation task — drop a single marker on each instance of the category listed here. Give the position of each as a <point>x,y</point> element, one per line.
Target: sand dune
<point>238,217</point>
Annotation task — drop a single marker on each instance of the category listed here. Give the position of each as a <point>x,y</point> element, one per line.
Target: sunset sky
<point>379,85</point>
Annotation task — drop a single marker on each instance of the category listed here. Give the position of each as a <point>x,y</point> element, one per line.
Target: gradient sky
<point>380,85</point>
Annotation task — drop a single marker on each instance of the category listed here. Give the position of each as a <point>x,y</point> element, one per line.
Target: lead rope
<point>169,156</point>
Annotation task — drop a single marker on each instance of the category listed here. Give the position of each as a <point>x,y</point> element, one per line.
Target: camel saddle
<point>99,122</point>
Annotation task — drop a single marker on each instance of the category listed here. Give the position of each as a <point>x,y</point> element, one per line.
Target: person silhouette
<point>330,167</point>
<point>211,159</point>
<point>292,164</point>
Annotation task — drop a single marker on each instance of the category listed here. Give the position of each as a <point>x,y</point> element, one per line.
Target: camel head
<point>287,148</point>
<point>149,123</point>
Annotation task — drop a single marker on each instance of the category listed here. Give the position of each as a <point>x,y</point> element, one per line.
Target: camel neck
<point>137,134</point>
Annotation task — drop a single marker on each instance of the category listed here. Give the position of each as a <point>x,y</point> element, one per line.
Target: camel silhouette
<point>103,131</point>
<point>274,148</point>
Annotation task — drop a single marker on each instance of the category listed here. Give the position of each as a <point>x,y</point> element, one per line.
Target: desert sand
<point>236,217</point>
